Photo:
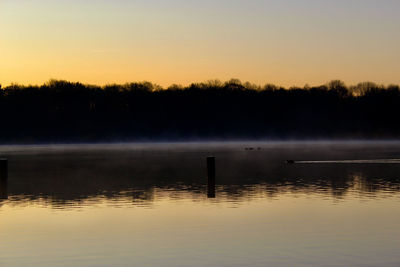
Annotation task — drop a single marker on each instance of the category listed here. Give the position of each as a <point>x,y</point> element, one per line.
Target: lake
<point>147,204</point>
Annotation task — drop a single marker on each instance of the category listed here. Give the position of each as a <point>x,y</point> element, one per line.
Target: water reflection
<point>81,178</point>
<point>3,189</point>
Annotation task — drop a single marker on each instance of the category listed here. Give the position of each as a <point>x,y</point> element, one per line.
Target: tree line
<point>62,111</point>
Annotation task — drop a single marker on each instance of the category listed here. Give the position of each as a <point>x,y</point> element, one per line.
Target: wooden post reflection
<point>211,177</point>
<point>3,178</point>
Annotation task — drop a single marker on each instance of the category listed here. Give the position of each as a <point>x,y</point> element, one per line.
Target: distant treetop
<point>337,86</point>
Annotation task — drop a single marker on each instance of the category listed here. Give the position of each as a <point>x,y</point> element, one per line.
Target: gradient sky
<point>286,42</point>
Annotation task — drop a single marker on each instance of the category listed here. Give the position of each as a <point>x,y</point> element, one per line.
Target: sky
<point>285,42</point>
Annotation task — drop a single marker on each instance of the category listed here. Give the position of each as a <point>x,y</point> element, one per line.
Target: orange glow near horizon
<point>288,43</point>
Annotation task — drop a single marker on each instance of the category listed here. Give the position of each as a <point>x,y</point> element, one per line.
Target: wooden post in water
<point>211,177</point>
<point>3,189</point>
<point>3,169</point>
<point>3,178</point>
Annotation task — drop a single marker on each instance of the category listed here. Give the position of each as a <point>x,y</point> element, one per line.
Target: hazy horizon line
<point>213,82</point>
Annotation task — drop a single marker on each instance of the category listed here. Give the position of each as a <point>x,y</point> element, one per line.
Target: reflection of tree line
<point>60,110</point>
<point>68,191</point>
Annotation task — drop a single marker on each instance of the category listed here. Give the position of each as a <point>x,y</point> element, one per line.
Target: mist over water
<point>147,203</point>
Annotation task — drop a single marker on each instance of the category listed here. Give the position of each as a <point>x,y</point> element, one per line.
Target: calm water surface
<point>147,205</point>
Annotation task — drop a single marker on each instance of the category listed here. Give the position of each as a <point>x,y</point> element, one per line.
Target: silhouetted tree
<point>62,111</point>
